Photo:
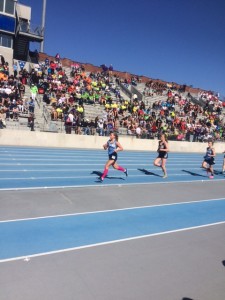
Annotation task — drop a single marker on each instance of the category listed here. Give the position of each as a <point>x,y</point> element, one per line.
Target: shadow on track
<point>99,174</point>
<point>146,172</point>
<point>216,172</point>
<point>194,174</point>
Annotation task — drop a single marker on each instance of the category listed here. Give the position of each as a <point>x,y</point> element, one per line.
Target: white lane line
<point>103,185</point>
<point>124,159</point>
<point>88,164</point>
<point>86,170</point>
<point>83,176</point>
<point>113,210</point>
<point>37,150</point>
<point>28,257</point>
<point>93,155</point>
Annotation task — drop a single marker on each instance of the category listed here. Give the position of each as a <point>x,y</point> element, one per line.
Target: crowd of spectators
<point>153,88</point>
<point>178,117</point>
<point>13,103</point>
<point>65,96</point>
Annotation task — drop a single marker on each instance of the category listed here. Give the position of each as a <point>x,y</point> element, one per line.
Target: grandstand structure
<point>17,32</point>
<point>135,92</point>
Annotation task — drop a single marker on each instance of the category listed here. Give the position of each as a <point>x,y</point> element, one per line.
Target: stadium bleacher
<point>83,99</point>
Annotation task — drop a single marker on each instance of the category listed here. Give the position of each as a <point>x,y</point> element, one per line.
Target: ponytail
<point>165,136</point>
<point>116,136</point>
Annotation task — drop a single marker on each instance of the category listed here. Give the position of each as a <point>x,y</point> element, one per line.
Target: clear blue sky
<point>173,40</point>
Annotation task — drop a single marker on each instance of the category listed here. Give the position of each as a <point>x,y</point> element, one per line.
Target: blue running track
<point>23,168</point>
<point>38,168</point>
<point>20,238</point>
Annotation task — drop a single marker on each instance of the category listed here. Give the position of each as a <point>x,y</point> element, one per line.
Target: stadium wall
<point>62,140</point>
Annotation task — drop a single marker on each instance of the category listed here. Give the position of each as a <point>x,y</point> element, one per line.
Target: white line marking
<point>88,169</point>
<point>76,177</point>
<point>103,185</point>
<point>108,243</point>
<point>89,157</point>
<point>113,210</point>
<point>88,164</point>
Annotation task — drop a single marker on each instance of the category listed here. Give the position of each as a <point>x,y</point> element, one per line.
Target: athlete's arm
<point>119,147</point>
<point>105,146</point>
<point>167,147</point>
<point>213,153</point>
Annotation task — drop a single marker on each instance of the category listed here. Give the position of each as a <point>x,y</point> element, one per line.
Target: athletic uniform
<point>207,158</point>
<point>162,154</point>
<point>112,146</point>
<point>111,150</point>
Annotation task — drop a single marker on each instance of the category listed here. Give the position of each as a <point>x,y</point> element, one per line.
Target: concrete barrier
<point>62,140</point>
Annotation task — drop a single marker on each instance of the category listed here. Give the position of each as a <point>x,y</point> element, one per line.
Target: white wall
<point>23,11</point>
<point>62,140</point>
<point>8,55</point>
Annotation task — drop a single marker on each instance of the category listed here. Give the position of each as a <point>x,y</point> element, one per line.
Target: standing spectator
<point>46,62</point>
<point>34,91</point>
<point>100,127</point>
<point>31,122</point>
<point>2,59</point>
<point>15,69</point>
<point>21,90</point>
<point>31,106</point>
<point>2,119</point>
<point>57,58</point>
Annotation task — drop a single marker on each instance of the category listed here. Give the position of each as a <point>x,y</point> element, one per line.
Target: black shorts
<point>163,154</point>
<point>210,161</point>
<point>113,156</point>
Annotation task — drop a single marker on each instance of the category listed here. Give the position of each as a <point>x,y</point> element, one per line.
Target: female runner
<point>163,149</point>
<point>208,161</point>
<point>113,147</point>
<point>223,168</point>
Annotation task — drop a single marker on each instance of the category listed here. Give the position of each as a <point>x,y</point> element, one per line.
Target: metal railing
<point>196,101</point>
<point>125,90</point>
<point>30,28</point>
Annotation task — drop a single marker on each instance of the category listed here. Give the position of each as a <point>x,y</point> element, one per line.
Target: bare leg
<point>107,165</point>
<point>157,162</point>
<point>164,167</point>
<point>205,165</point>
<point>119,168</point>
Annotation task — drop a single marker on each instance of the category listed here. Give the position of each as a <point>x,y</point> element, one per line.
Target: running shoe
<point>211,176</point>
<point>164,176</point>
<point>126,172</point>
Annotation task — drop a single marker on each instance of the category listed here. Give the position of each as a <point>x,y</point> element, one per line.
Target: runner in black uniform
<point>208,161</point>
<point>163,149</point>
<point>113,147</point>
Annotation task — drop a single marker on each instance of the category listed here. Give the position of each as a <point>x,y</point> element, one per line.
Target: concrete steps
<point>93,111</point>
<point>22,122</point>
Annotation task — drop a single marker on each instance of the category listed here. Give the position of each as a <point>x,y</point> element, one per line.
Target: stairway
<point>21,48</point>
